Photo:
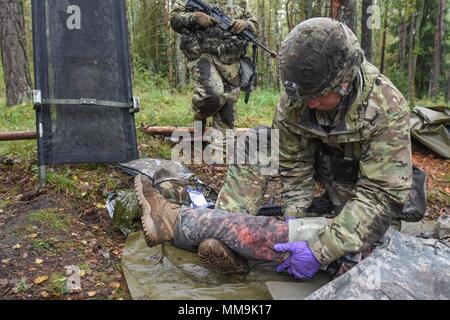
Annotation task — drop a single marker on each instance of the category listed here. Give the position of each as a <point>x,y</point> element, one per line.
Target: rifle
<point>224,22</point>
<point>270,210</point>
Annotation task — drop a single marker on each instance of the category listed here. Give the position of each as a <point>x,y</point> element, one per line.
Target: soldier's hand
<point>204,20</point>
<point>238,26</point>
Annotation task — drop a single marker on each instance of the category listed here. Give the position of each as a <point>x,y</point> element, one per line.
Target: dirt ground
<point>46,233</point>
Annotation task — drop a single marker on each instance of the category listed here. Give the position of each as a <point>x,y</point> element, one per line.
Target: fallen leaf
<point>39,261</point>
<point>17,246</point>
<point>92,294</point>
<point>114,285</point>
<point>44,294</point>
<point>40,279</point>
<point>6,261</point>
<point>4,283</point>
<point>33,236</point>
<point>82,273</point>
<point>84,242</point>
<point>100,206</point>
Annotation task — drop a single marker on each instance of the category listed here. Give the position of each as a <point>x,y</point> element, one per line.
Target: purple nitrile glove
<point>301,264</point>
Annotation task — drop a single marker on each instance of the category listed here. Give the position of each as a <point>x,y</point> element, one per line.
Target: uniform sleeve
<point>297,156</point>
<point>383,186</point>
<point>181,20</point>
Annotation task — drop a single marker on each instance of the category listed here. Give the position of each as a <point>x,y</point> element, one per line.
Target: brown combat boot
<point>216,256</point>
<point>159,216</point>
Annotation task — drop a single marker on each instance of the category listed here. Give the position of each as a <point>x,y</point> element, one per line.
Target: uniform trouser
<point>243,190</point>
<point>249,236</point>
<point>213,96</point>
<point>245,184</point>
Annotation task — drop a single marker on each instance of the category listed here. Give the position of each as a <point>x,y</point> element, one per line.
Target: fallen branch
<point>21,135</point>
<point>155,131</point>
<point>168,131</point>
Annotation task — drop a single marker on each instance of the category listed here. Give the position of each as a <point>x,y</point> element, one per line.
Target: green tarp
<point>167,273</point>
<point>431,127</point>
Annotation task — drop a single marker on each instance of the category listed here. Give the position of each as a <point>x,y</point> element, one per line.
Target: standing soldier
<point>213,56</point>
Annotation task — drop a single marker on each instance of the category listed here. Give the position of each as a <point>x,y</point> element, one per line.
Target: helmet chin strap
<point>343,92</point>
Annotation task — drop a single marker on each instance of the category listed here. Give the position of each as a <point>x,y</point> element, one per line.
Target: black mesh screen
<point>81,51</point>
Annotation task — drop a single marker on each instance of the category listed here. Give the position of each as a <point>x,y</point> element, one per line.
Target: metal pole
<point>42,176</point>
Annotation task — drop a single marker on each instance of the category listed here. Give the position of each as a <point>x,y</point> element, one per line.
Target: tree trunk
<point>437,54</point>
<point>366,29</point>
<point>402,30</point>
<point>269,36</point>
<point>416,21</point>
<point>448,89</point>
<point>411,66</point>
<point>169,31</point>
<point>335,8</point>
<point>13,48</point>
<point>348,14</point>
<point>289,15</point>
<point>308,9</point>
<point>263,32</point>
<point>319,8</point>
<point>181,64</point>
<point>383,44</point>
<point>345,11</point>
<point>278,41</point>
<point>179,58</point>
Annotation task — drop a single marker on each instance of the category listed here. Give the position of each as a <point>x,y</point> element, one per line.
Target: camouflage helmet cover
<point>319,55</point>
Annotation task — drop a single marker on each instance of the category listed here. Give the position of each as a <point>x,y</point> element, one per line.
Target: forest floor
<point>47,232</point>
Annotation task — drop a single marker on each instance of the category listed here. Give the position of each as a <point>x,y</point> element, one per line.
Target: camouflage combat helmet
<point>319,55</point>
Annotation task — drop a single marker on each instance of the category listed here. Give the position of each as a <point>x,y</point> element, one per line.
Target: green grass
<point>23,286</point>
<point>162,106</point>
<point>63,181</point>
<point>5,203</point>
<point>18,118</point>
<point>49,217</point>
<point>56,285</point>
<point>43,244</point>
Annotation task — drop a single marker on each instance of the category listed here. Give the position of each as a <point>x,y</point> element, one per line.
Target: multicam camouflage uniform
<point>362,153</point>
<point>213,56</point>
